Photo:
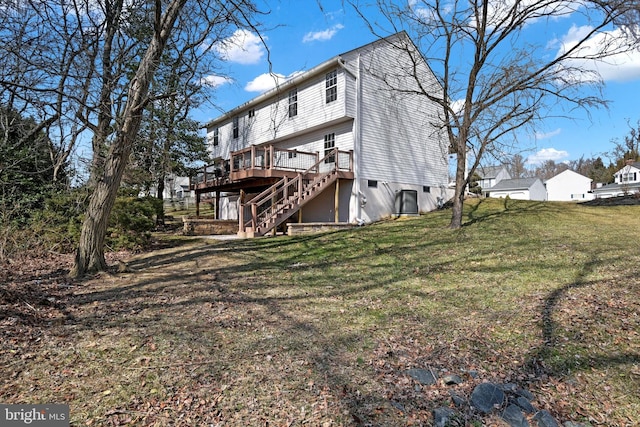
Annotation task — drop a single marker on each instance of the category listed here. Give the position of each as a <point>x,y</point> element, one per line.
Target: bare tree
<point>175,23</point>
<point>493,80</point>
<point>517,167</point>
<point>628,148</point>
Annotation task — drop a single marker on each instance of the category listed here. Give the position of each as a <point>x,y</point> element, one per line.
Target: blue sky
<point>305,34</point>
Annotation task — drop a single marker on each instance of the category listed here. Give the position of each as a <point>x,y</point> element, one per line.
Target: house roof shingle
<point>487,172</point>
<point>514,184</point>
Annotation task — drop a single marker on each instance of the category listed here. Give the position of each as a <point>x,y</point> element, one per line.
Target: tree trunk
<point>461,184</point>
<point>160,190</point>
<point>90,253</point>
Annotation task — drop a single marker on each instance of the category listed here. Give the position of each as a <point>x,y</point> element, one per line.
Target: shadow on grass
<point>552,357</point>
<point>476,215</point>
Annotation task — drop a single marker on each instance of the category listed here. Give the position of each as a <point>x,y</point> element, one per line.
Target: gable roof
<point>568,172</point>
<point>514,184</point>
<point>632,164</point>
<point>326,66</point>
<point>486,172</point>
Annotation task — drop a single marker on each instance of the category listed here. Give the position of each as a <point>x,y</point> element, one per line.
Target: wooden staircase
<point>279,202</point>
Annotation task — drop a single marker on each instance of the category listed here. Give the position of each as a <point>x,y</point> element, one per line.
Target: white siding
<point>569,186</point>
<point>398,138</point>
<point>397,133</point>
<point>271,122</point>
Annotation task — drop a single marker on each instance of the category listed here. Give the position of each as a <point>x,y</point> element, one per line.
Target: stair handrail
<point>267,194</point>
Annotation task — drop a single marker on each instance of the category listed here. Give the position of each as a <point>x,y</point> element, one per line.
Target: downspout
<point>357,144</point>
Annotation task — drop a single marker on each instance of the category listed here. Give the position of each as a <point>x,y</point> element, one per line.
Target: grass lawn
<point>320,330</point>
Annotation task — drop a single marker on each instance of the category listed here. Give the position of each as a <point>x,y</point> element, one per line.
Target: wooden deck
<point>261,166</point>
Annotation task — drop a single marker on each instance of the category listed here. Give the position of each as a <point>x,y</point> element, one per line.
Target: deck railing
<point>271,158</point>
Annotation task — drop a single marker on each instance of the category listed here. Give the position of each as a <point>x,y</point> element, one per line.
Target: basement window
<point>372,183</point>
<point>426,189</point>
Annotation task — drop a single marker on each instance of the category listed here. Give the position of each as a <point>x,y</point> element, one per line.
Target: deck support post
<point>336,202</point>
<point>198,203</point>
<point>216,214</point>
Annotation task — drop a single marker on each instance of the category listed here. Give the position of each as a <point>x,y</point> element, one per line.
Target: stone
<point>398,406</point>
<point>526,406</point>
<point>442,416</point>
<point>486,396</point>
<point>423,376</point>
<point>514,417</point>
<point>544,419</point>
<point>525,393</point>
<point>508,387</point>
<point>452,379</point>
<point>458,400</point>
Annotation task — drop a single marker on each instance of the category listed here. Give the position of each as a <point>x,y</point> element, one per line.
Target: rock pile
<point>510,402</point>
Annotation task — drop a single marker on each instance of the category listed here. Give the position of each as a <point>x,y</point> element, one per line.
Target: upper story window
<point>216,137</point>
<point>628,177</point>
<point>293,103</point>
<point>236,127</point>
<point>252,112</point>
<point>329,145</point>
<point>332,86</point>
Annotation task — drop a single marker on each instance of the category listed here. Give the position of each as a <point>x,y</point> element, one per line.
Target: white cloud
<point>620,63</point>
<point>546,154</point>
<point>267,81</point>
<point>242,47</point>
<point>264,82</point>
<point>540,136</point>
<point>214,81</point>
<point>322,35</point>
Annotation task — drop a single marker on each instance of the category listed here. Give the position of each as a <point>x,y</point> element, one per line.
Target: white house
<point>569,186</point>
<point>491,175</point>
<point>519,188</point>
<point>626,181</point>
<point>348,141</point>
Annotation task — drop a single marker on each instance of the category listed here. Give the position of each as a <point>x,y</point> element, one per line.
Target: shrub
<point>132,220</point>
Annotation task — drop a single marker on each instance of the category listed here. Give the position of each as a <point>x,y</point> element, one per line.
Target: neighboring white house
<point>520,189</point>
<point>333,144</point>
<point>569,186</point>
<point>626,181</point>
<point>491,175</point>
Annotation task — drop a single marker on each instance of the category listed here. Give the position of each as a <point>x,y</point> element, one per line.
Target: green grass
<point>319,329</point>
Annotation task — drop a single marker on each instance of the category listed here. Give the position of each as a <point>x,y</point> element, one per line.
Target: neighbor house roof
<point>607,188</point>
<point>486,172</point>
<point>632,164</point>
<point>514,184</point>
<point>568,172</point>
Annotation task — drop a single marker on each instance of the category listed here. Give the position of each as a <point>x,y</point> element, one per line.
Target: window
<point>628,177</point>
<point>236,127</point>
<point>216,137</point>
<point>252,112</point>
<point>332,86</point>
<point>293,154</point>
<point>329,145</point>
<point>426,189</point>
<point>372,184</point>
<point>293,103</point>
